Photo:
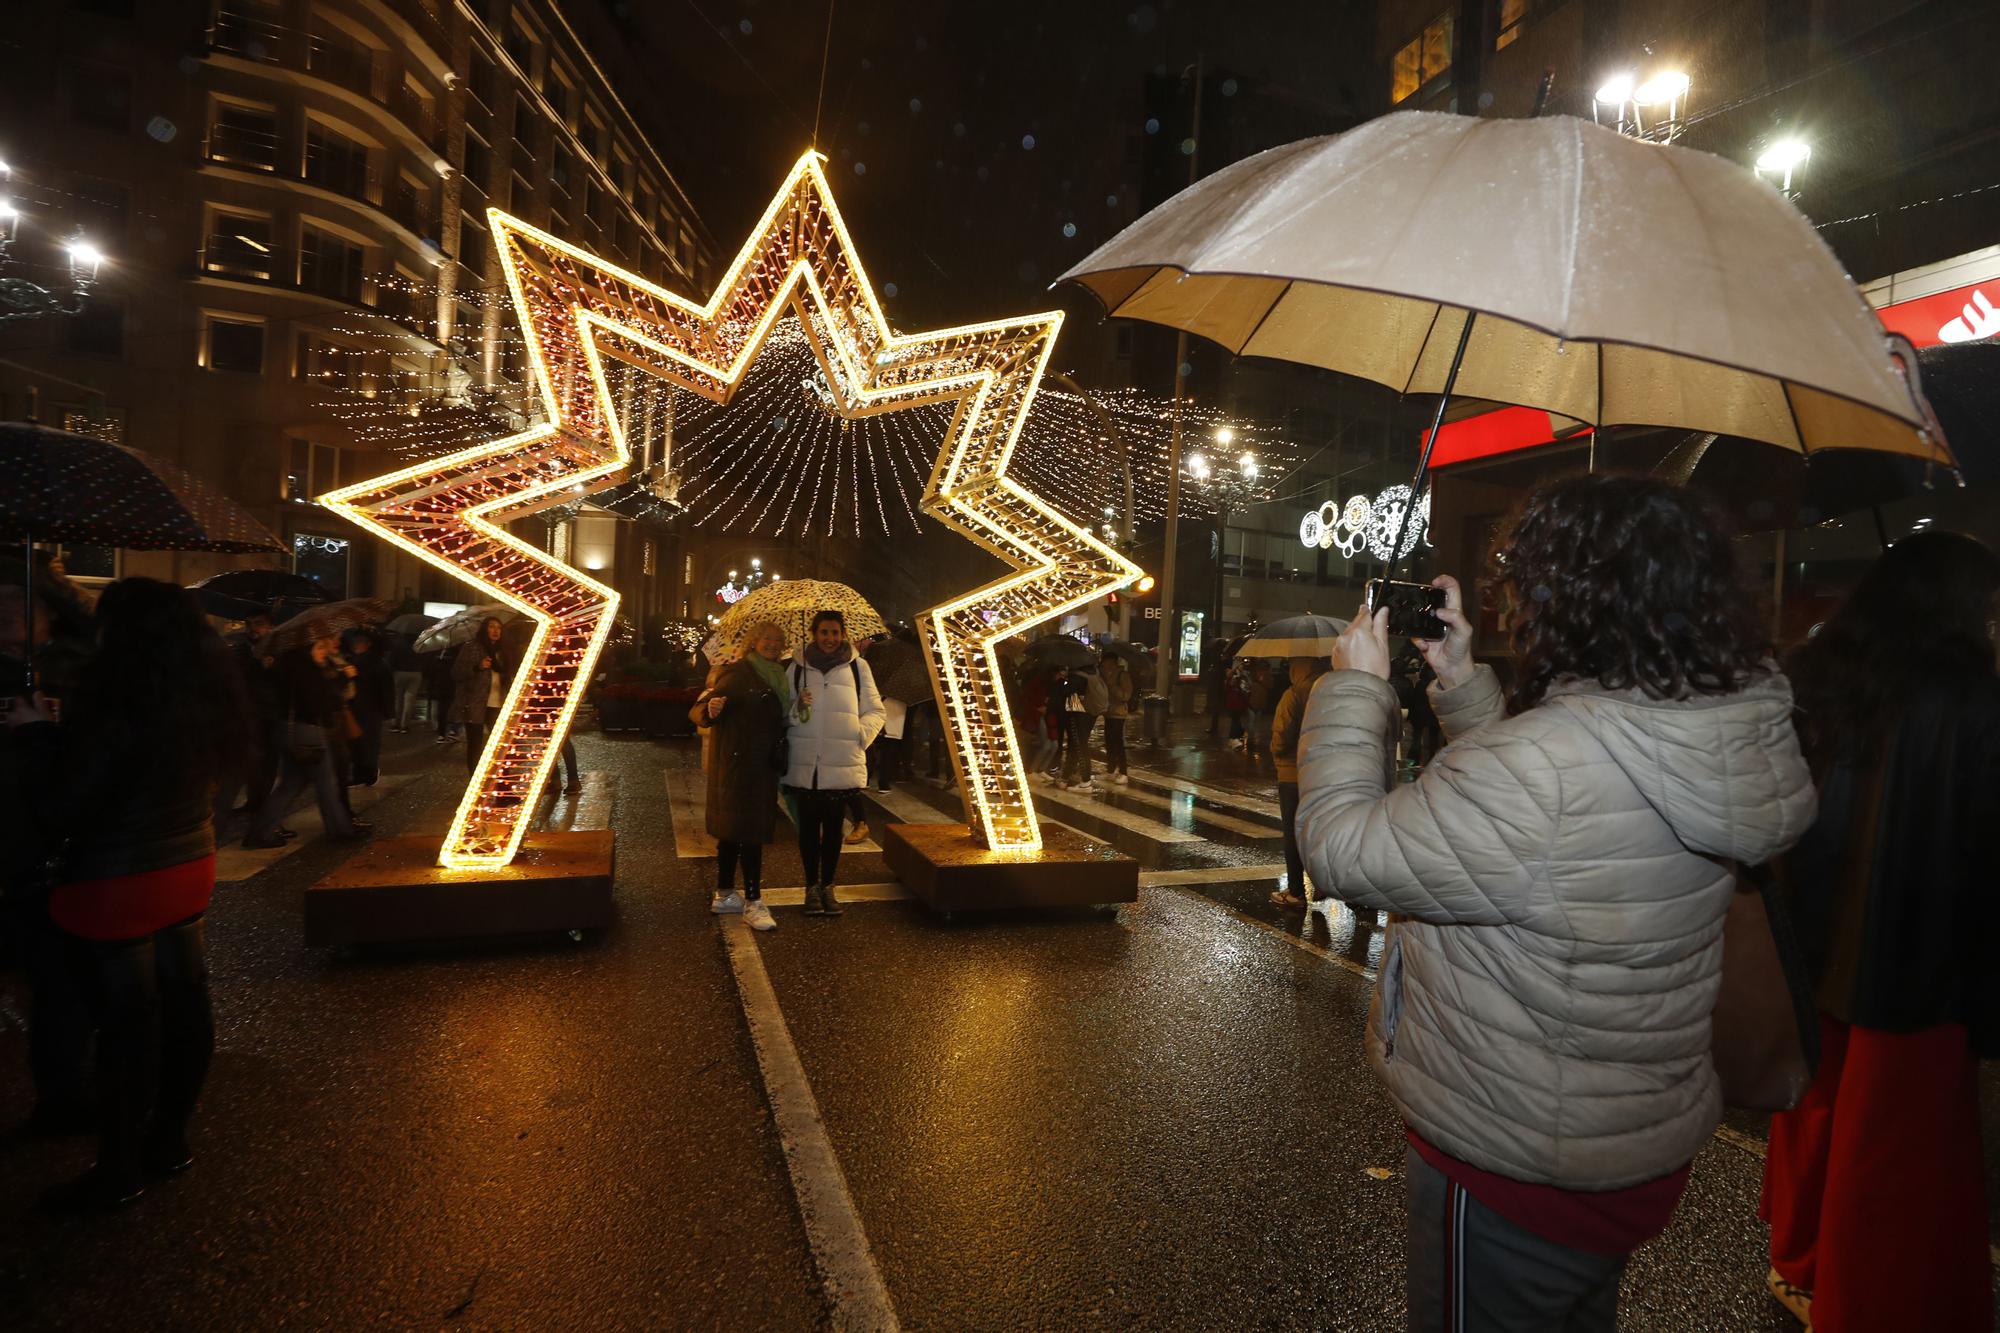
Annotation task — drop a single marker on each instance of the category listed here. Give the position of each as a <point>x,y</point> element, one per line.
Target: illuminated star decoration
<point>575,311</point>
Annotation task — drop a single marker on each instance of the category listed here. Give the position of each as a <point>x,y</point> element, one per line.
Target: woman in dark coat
<point>744,713</point>
<point>125,786</point>
<point>483,671</point>
<point>1874,1184</point>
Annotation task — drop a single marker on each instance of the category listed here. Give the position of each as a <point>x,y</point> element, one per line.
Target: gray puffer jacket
<point>1544,1014</point>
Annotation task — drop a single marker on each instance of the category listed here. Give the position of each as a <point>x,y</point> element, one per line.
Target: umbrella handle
<point>1430,442</point>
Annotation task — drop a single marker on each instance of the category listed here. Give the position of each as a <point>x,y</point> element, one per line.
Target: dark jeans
<point>441,710</point>
<point>1114,744</point>
<point>365,754</point>
<point>475,737</point>
<point>296,776</point>
<point>1076,767</point>
<point>820,815</point>
<point>156,1035</point>
<point>751,854</point>
<point>1288,815</point>
<point>885,760</point>
<point>1471,1269</point>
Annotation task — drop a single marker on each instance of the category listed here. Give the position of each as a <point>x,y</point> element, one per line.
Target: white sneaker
<point>757,916</point>
<point>724,904</point>
<point>1081,786</point>
<point>1122,779</point>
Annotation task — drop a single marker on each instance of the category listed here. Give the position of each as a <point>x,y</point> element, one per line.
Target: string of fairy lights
<point>778,458</point>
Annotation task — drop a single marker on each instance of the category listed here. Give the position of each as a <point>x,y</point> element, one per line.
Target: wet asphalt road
<point>1158,1118</point>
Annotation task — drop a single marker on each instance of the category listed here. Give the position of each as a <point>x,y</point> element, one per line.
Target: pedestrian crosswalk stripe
<point>1180,801</point>
<point>687,799</point>
<point>1125,819</point>
<point>910,809</point>
<point>1209,875</point>
<point>1222,796</point>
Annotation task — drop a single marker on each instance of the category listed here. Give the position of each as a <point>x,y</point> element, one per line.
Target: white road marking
<point>235,863</point>
<point>1125,819</point>
<point>1179,801</point>
<point>891,892</point>
<point>910,809</point>
<point>1256,805</point>
<point>1209,875</point>
<point>687,799</point>
<point>854,1286</point>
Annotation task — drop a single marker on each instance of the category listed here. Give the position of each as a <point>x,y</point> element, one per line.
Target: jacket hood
<point>1723,771</point>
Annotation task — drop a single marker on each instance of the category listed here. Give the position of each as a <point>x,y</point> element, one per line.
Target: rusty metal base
<point>394,890</point>
<point>942,866</point>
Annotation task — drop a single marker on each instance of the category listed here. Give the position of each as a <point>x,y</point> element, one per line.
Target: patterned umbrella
<point>899,671</point>
<point>325,622</point>
<point>461,627</point>
<point>63,487</point>
<point>791,605</point>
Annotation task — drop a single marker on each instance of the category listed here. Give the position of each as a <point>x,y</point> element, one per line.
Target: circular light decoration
<point>1386,521</point>
<point>1310,529</point>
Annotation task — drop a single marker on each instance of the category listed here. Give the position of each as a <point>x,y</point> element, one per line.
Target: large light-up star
<point>575,311</point>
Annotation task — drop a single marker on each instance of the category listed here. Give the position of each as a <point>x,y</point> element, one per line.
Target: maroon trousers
<point>1874,1185</point>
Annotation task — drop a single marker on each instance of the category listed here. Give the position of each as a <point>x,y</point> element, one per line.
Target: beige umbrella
<point>791,605</point>
<point>1550,263</point>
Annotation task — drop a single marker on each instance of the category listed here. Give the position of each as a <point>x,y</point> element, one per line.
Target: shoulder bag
<point>1765,1041</point>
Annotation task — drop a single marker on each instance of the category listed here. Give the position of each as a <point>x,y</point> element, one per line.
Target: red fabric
<point>127,907</point>
<point>1875,1188</point>
<point>1607,1222</point>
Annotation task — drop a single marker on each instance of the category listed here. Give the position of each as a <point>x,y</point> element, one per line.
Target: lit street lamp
<point>1782,159</point>
<point>23,299</point>
<point>1655,109</point>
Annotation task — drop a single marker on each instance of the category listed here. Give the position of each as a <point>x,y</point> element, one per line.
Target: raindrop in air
<point>1111,201</point>
<point>1187,148</point>
<point>983,173</point>
<point>916,105</point>
<point>744,27</point>
<point>162,129</point>
<point>889,289</point>
<point>863,127</point>
<point>861,168</point>
<point>1069,229</point>
<point>1187,369</point>
<point>1229,87</point>
<point>779,423</point>
<point>1028,142</point>
<point>958,129</point>
<point>1152,124</point>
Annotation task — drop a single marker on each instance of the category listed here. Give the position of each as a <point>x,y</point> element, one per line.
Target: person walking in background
<point>1874,1183</point>
<point>1055,718</point>
<point>251,773</point>
<point>1084,701</point>
<point>1235,702</point>
<point>442,691</point>
<point>1542,1015</point>
<point>836,713</point>
<point>1118,707</point>
<point>1290,715</point>
<point>406,679</point>
<point>483,671</point>
<point>1260,695</point>
<point>310,691</point>
<point>371,706</point>
<point>127,785</point>
<point>62,638</point>
<point>742,718</point>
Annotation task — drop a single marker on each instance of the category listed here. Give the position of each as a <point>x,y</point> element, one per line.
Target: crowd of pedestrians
<point>1559,861</point>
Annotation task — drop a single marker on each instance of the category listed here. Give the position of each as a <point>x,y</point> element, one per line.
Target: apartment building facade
<point>291,196</point>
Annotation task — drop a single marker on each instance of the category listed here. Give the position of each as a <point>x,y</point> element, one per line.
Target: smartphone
<point>1413,607</point>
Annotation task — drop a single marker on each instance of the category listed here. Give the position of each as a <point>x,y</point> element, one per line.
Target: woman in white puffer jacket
<point>836,713</point>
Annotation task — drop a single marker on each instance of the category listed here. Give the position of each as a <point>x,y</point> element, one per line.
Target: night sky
<point>978,149</point>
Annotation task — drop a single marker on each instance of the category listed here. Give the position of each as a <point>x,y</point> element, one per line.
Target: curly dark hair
<point>1629,582</point>
<point>1920,620</point>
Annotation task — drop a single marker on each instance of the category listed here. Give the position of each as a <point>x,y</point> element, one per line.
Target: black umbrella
<point>266,586</point>
<point>899,669</point>
<point>65,487</point>
<point>228,608</point>
<point>1135,654</point>
<point>1766,488</point>
<point>1061,650</point>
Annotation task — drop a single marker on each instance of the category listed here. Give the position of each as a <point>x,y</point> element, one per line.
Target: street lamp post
<point>1164,679</point>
